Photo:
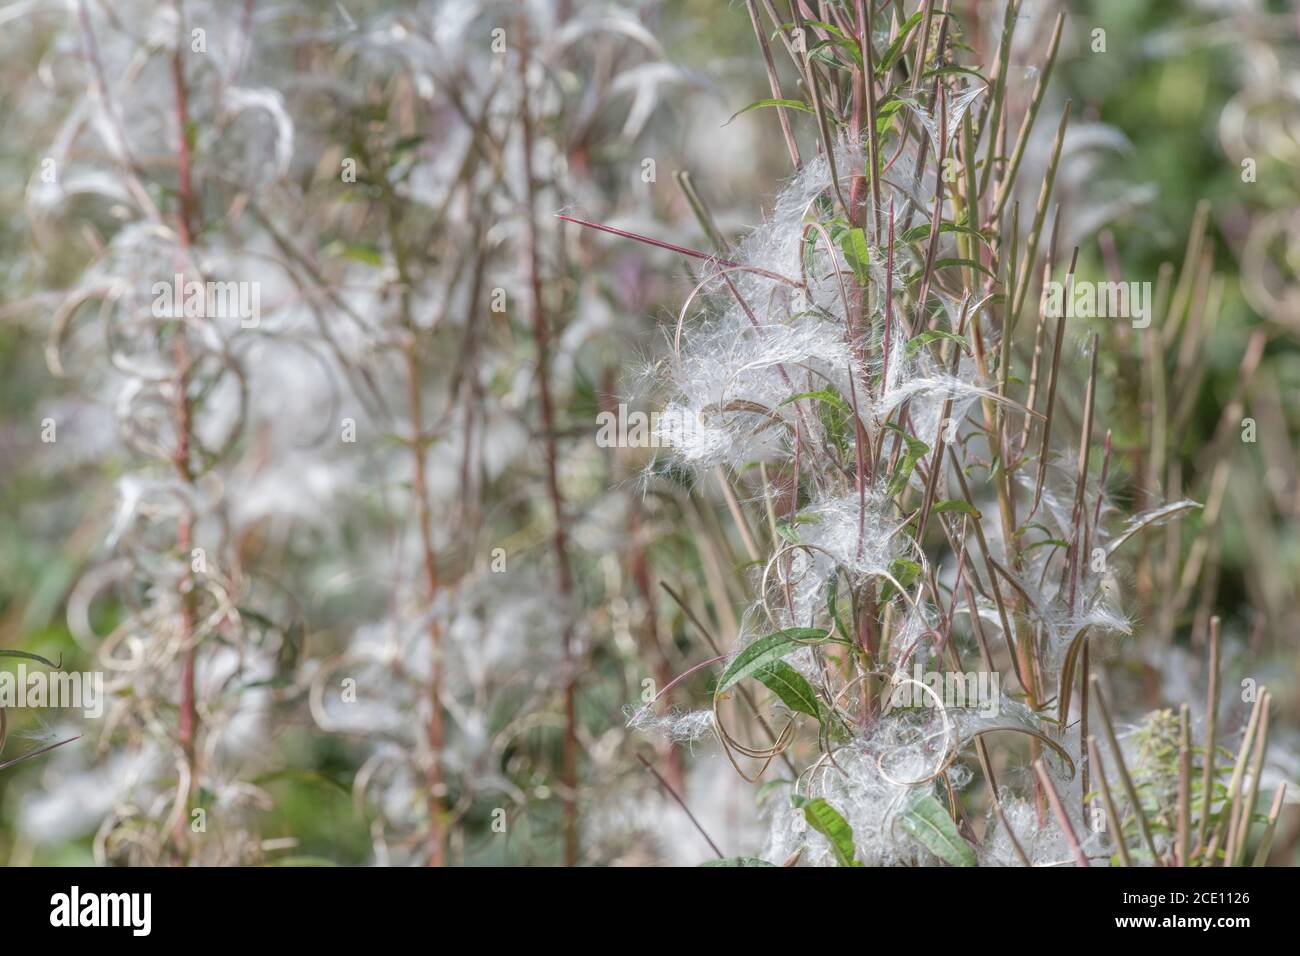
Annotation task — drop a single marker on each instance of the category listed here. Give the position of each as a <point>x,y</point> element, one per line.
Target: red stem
<point>569,768</point>
<point>187,729</point>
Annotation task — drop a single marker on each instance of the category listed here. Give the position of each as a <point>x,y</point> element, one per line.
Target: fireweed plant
<point>485,636</point>
<point>194,658</point>
<point>366,450</point>
<point>910,443</point>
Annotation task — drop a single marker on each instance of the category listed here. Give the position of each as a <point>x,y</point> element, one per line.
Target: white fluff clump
<point>675,725</point>
<point>871,787</point>
<point>1043,845</point>
<point>757,354</point>
<point>482,658</point>
<point>830,540</point>
<point>731,384</point>
<point>761,341</point>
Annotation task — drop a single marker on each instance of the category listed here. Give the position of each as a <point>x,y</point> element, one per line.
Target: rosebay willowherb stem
<point>541,341</point>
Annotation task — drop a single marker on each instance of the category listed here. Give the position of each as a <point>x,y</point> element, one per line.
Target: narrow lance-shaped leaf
<point>896,48</point>
<point>791,686</point>
<point>827,821</point>
<point>822,395</point>
<point>925,338</point>
<point>765,650</point>
<point>904,571</point>
<point>922,232</point>
<point>855,248</point>
<point>928,821</point>
<point>916,450</point>
<point>832,605</point>
<point>956,504</point>
<point>759,104</point>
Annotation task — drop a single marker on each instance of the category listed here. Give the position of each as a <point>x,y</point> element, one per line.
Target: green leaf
<point>905,572</point>
<point>1056,542</point>
<point>885,115</point>
<point>828,27</point>
<point>854,246</point>
<point>928,821</point>
<point>1066,687</point>
<point>788,684</point>
<point>789,529</point>
<point>833,605</point>
<point>357,252</point>
<point>956,504</point>
<point>1033,526</point>
<point>772,647</point>
<point>759,104</point>
<point>824,395</point>
<point>821,51</point>
<point>834,414</point>
<point>922,232</point>
<point>916,449</point>
<point>917,342</point>
<point>964,264</point>
<point>896,48</point>
<point>827,821</point>
<point>738,861</point>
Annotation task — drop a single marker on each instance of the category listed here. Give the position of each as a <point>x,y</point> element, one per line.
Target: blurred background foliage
<point>1169,73</point>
